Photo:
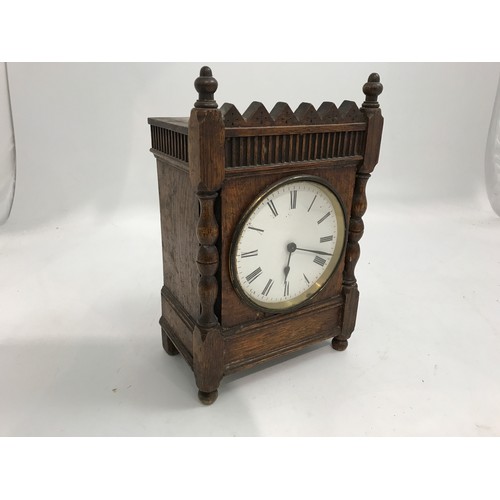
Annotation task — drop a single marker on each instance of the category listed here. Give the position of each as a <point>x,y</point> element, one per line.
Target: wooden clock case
<point>210,169</point>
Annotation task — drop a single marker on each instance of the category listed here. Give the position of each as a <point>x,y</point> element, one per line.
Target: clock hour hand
<point>318,252</point>
<point>291,247</point>
<point>287,267</point>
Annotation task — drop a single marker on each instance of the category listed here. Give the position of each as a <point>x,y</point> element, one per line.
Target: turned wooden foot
<point>168,345</point>
<point>339,344</point>
<point>207,398</point>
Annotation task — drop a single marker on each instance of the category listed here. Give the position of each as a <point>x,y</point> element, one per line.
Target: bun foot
<point>339,344</point>
<point>168,345</point>
<point>207,398</point>
<point>171,350</point>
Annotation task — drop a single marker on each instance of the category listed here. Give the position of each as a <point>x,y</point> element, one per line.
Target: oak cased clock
<point>261,217</point>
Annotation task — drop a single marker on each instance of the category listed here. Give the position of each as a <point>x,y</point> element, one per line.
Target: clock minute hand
<point>319,252</point>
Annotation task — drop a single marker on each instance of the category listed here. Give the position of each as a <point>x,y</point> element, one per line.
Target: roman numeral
<point>271,206</point>
<point>319,260</point>
<point>267,288</point>
<point>254,275</point>
<point>256,229</point>
<point>312,202</point>
<point>324,217</point>
<point>293,200</point>
<point>253,253</point>
<point>324,239</point>
<point>305,277</point>
<point>287,288</point>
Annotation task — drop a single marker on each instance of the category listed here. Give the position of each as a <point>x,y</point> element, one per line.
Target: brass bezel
<point>307,296</point>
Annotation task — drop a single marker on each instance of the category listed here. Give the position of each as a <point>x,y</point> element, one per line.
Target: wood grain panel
<point>179,220</point>
<point>268,339</point>
<point>237,194</point>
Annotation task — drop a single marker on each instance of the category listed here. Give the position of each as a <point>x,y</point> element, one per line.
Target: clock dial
<point>288,244</point>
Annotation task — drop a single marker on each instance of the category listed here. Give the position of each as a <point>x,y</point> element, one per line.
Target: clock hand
<point>319,252</point>
<point>291,247</point>
<point>287,267</point>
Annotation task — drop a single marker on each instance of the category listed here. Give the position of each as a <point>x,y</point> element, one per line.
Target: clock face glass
<point>288,244</point>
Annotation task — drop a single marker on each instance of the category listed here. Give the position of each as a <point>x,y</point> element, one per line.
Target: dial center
<point>291,247</point>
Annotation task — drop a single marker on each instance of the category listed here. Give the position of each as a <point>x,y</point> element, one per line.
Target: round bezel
<point>304,297</point>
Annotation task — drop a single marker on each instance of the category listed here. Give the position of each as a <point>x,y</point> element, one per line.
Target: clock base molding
<point>253,343</point>
<point>266,339</point>
<point>240,193</point>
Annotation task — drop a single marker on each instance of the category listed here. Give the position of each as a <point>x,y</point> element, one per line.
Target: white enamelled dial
<point>288,244</point>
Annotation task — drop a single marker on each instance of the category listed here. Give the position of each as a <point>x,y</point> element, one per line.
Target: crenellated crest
<point>257,116</point>
<point>328,112</point>
<point>281,115</point>
<point>231,115</point>
<point>307,114</point>
<point>349,113</point>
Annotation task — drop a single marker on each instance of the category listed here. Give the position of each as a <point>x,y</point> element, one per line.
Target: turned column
<point>371,109</point>
<point>206,167</point>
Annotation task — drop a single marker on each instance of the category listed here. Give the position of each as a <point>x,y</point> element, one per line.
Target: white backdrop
<point>81,261</point>
<point>83,139</point>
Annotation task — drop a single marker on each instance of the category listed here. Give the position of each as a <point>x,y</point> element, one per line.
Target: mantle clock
<point>261,217</point>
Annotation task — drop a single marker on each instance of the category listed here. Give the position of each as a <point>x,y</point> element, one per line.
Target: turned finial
<point>372,89</point>
<point>205,85</point>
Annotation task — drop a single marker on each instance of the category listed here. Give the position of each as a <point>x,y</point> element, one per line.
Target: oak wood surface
<point>178,230</point>
<point>259,341</point>
<point>179,124</point>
